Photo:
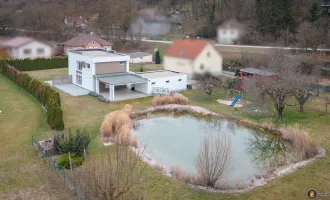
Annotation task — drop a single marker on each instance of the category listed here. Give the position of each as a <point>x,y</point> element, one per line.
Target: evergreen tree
<point>157,57</point>
<point>314,10</point>
<point>212,14</point>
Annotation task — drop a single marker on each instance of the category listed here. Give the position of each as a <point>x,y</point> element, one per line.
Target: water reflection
<point>268,151</point>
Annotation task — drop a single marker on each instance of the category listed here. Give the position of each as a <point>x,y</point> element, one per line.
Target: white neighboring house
<point>229,32</point>
<point>26,47</point>
<point>191,56</point>
<point>140,57</point>
<point>107,73</point>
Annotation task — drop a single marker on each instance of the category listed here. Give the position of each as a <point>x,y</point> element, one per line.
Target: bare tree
<point>305,89</point>
<point>214,159</point>
<point>208,82</point>
<point>115,176</point>
<point>326,102</point>
<point>277,89</point>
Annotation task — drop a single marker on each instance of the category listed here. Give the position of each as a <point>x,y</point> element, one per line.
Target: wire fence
<point>50,159</point>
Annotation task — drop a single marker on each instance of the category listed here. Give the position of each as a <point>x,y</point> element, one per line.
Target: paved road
<point>244,46</point>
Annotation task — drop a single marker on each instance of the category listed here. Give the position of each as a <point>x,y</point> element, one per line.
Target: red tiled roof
<point>186,48</point>
<point>84,39</point>
<point>17,41</point>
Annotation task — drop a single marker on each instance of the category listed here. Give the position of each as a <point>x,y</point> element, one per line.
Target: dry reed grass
<point>303,146</point>
<point>175,98</point>
<point>116,127</point>
<point>178,174</point>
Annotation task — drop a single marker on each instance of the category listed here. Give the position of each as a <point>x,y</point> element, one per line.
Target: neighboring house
<point>140,57</point>
<point>326,6</point>
<point>193,56</point>
<point>86,41</point>
<point>107,73</point>
<point>150,23</point>
<point>78,21</point>
<point>248,73</point>
<point>229,32</point>
<point>26,47</point>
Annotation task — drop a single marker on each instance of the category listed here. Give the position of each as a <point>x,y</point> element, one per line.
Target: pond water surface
<point>175,141</point>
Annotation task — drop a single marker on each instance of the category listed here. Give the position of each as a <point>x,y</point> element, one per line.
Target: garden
<point>87,113</point>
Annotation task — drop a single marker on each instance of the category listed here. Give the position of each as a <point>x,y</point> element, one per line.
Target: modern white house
<point>107,73</point>
<point>191,56</point>
<point>229,32</point>
<point>140,57</point>
<point>26,47</point>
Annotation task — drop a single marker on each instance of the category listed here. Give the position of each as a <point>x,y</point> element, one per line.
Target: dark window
<point>153,83</point>
<point>27,51</point>
<point>167,81</point>
<point>88,65</point>
<point>40,50</point>
<point>121,63</point>
<point>79,65</point>
<point>202,67</point>
<point>79,80</point>
<point>180,79</point>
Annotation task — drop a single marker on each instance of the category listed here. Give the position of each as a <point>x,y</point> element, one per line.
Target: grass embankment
<point>87,112</point>
<point>22,173</point>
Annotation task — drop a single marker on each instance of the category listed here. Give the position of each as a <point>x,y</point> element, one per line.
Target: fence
<point>63,79</point>
<point>60,171</point>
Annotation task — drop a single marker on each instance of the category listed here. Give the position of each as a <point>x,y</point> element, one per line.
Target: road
<point>245,46</point>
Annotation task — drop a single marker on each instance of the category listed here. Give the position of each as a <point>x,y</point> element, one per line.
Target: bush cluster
<point>175,98</point>
<point>72,143</point>
<point>39,63</point>
<point>43,93</point>
<point>76,161</point>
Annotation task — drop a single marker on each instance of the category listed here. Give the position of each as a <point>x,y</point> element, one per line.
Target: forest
<point>303,23</point>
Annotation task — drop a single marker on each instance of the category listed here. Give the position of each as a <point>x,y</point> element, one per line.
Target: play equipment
<point>238,97</point>
<point>235,100</point>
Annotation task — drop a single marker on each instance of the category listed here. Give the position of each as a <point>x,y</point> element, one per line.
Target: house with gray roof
<point>140,57</point>
<point>107,73</point>
<point>26,47</point>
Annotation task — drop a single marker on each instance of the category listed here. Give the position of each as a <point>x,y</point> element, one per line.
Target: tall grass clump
<point>116,127</point>
<point>302,144</point>
<point>175,98</point>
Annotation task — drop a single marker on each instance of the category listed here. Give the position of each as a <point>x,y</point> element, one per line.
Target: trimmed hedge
<point>39,63</point>
<point>43,93</point>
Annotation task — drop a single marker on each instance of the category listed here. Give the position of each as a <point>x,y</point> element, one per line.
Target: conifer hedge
<point>39,63</point>
<point>46,95</point>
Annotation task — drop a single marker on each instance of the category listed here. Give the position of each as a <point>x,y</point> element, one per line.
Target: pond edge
<point>282,170</point>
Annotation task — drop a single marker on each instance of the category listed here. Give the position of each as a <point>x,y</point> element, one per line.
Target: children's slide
<point>235,100</point>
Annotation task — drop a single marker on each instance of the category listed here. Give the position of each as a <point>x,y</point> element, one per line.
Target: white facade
<point>174,82</point>
<point>207,60</point>
<point>87,74</point>
<point>31,50</point>
<point>227,35</point>
<point>143,59</point>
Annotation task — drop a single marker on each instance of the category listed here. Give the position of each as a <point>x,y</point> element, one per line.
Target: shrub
<point>175,98</point>
<point>74,143</point>
<point>178,174</point>
<point>93,94</point>
<point>39,63</point>
<point>116,127</point>
<point>76,161</point>
<point>157,57</point>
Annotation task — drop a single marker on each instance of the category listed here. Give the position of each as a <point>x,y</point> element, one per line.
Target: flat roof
<point>96,52</point>
<point>138,54</point>
<point>157,74</point>
<point>121,78</point>
<point>258,71</point>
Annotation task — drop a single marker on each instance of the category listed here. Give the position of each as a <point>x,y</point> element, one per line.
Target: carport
<point>119,86</point>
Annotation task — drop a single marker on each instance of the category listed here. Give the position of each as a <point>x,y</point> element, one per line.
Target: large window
<point>79,79</point>
<point>40,51</point>
<point>122,63</point>
<point>27,51</point>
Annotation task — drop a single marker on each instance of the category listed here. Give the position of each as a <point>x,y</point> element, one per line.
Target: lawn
<point>23,174</point>
<point>87,112</point>
<point>146,67</point>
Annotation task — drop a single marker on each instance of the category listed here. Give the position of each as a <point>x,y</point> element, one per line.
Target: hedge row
<point>39,63</point>
<point>46,95</point>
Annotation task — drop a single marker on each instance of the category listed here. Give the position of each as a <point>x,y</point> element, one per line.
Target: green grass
<point>87,112</point>
<point>146,67</point>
